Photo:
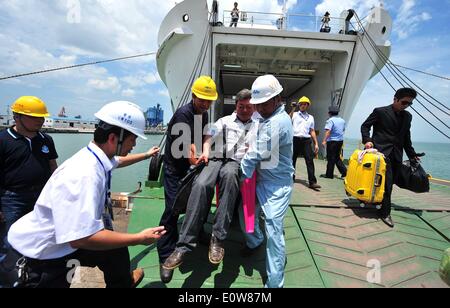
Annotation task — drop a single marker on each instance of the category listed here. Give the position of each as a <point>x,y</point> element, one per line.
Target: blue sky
<point>40,34</point>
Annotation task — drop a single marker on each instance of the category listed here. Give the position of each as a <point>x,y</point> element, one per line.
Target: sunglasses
<point>406,103</point>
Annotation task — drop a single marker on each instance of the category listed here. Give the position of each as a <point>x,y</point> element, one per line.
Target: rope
<point>422,72</point>
<point>377,51</point>
<point>76,66</point>
<point>392,67</point>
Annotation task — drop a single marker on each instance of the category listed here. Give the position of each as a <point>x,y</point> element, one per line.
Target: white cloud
<point>141,79</point>
<point>110,83</point>
<point>337,7</point>
<point>152,78</point>
<point>52,39</point>
<point>133,81</point>
<point>128,93</point>
<point>408,21</point>
<point>164,93</point>
<point>56,37</point>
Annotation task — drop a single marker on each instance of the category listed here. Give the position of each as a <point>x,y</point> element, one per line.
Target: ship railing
<point>290,22</point>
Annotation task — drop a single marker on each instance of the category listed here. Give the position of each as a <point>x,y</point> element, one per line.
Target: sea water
<point>436,162</point>
<point>124,179</point>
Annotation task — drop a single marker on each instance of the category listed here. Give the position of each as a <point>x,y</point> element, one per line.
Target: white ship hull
<point>328,68</point>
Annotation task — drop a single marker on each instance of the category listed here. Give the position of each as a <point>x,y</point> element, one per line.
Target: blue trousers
<point>274,200</point>
<point>14,206</point>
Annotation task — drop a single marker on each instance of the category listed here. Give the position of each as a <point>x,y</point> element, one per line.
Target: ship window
<point>186,17</point>
<point>383,31</point>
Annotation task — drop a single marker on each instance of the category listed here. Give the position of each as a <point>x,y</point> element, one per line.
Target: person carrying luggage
<point>391,135</point>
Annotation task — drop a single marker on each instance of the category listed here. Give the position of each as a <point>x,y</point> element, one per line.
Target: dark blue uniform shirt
<point>186,117</point>
<point>24,163</point>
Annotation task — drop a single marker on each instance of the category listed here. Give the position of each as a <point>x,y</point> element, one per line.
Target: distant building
<point>6,120</point>
<point>69,123</point>
<point>155,116</point>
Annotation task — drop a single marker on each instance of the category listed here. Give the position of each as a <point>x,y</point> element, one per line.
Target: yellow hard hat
<point>205,88</point>
<point>304,99</point>
<point>30,106</point>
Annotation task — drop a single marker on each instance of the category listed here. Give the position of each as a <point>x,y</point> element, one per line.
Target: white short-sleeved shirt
<point>69,208</point>
<point>302,123</point>
<point>238,136</point>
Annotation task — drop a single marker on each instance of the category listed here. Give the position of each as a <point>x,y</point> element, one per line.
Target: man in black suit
<point>391,134</point>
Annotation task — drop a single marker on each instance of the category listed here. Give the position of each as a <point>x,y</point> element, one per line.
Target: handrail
<point>291,22</point>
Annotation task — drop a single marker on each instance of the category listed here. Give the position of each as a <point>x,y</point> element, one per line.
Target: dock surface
<point>330,240</point>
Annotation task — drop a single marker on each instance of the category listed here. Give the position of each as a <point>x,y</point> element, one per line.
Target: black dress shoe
<point>388,221</point>
<point>165,274</point>
<point>315,186</point>
<point>325,176</point>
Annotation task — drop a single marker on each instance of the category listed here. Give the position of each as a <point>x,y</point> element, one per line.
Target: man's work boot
<point>136,277</point>
<point>165,274</point>
<point>174,260</point>
<point>216,251</point>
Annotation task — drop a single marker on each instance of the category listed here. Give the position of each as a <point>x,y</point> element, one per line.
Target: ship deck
<point>330,242</point>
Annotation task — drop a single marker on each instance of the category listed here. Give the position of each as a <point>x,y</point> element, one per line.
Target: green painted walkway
<point>330,241</point>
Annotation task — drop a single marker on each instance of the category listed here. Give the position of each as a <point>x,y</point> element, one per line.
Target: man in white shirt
<point>231,138</point>
<point>304,134</point>
<point>70,224</point>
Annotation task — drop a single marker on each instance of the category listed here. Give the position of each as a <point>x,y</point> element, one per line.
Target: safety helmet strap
<point>120,142</point>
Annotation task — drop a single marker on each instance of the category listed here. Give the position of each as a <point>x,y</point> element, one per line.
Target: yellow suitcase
<point>365,179</point>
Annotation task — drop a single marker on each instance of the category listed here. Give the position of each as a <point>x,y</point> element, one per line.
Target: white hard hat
<point>125,115</point>
<point>265,88</point>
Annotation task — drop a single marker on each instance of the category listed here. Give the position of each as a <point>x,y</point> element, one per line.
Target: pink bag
<point>248,192</point>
